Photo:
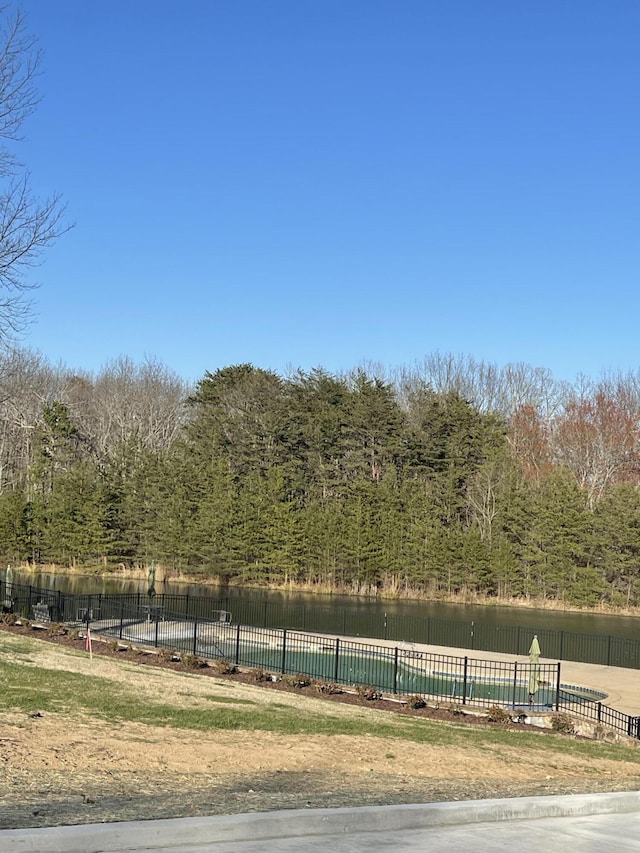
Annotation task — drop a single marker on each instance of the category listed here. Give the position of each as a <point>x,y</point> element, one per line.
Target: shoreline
<point>141,574</point>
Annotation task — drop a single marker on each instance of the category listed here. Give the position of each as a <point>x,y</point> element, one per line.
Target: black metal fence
<point>202,627</point>
<point>506,639</point>
<point>69,607</point>
<point>597,712</point>
<point>389,669</point>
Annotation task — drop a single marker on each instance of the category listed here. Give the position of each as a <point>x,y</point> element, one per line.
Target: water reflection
<point>581,623</point>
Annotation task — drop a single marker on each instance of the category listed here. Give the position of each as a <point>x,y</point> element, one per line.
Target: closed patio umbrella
<point>7,604</point>
<point>8,582</point>
<point>534,669</point>
<point>152,580</point>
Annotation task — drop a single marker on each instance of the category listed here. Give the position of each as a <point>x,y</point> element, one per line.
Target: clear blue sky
<point>294,182</point>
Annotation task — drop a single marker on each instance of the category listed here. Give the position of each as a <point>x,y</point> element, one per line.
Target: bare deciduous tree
<point>28,225</point>
<point>143,404</point>
<point>597,439</point>
<point>26,383</point>
<point>488,387</point>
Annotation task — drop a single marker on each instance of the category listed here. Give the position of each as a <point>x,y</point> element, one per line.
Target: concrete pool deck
<point>621,685</point>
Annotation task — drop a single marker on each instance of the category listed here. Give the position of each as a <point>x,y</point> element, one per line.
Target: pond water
<point>535,619</point>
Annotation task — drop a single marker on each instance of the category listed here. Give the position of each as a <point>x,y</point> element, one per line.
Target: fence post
<point>515,682</point>
<point>558,688</point>
<point>609,650</point>
<point>283,662</point>
<point>336,667</point>
<point>121,616</point>
<point>599,712</point>
<point>195,637</point>
<point>238,645</point>
<point>561,655</point>
<point>157,624</point>
<point>472,633</point>
<point>395,670</point>
<point>464,680</point>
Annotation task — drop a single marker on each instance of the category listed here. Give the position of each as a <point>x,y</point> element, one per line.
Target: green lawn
<point>26,686</point>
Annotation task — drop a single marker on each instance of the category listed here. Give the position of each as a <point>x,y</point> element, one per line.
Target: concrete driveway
<point>554,824</point>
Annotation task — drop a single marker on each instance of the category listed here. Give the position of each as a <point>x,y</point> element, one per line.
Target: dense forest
<point>450,477</point>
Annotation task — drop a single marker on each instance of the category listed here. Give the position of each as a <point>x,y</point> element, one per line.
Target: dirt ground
<point>56,770</point>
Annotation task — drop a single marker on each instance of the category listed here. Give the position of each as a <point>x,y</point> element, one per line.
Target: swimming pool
<point>407,674</point>
<point>401,670</point>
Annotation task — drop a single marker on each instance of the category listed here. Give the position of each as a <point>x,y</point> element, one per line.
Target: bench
<point>152,612</point>
<point>86,614</point>
<point>41,613</point>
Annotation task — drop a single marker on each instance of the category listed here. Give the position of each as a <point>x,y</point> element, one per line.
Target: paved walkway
<point>590,822</point>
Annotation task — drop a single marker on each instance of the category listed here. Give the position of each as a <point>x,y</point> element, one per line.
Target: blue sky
<point>297,183</point>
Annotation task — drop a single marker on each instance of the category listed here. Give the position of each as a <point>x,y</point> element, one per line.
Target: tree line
<point>449,477</point>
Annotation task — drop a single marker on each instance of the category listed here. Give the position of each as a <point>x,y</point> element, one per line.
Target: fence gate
<point>633,727</point>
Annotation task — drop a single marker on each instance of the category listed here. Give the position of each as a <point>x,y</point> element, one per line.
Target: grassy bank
<point>109,738</point>
<point>36,677</point>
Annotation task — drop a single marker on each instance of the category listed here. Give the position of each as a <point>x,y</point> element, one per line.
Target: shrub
<point>496,714</point>
<point>259,675</point>
<point>298,681</point>
<point>416,702</point>
<point>222,666</point>
<point>9,618</point>
<point>168,655</point>
<point>55,629</point>
<point>328,688</point>
<point>563,723</point>
<point>370,694</point>
<point>193,662</point>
